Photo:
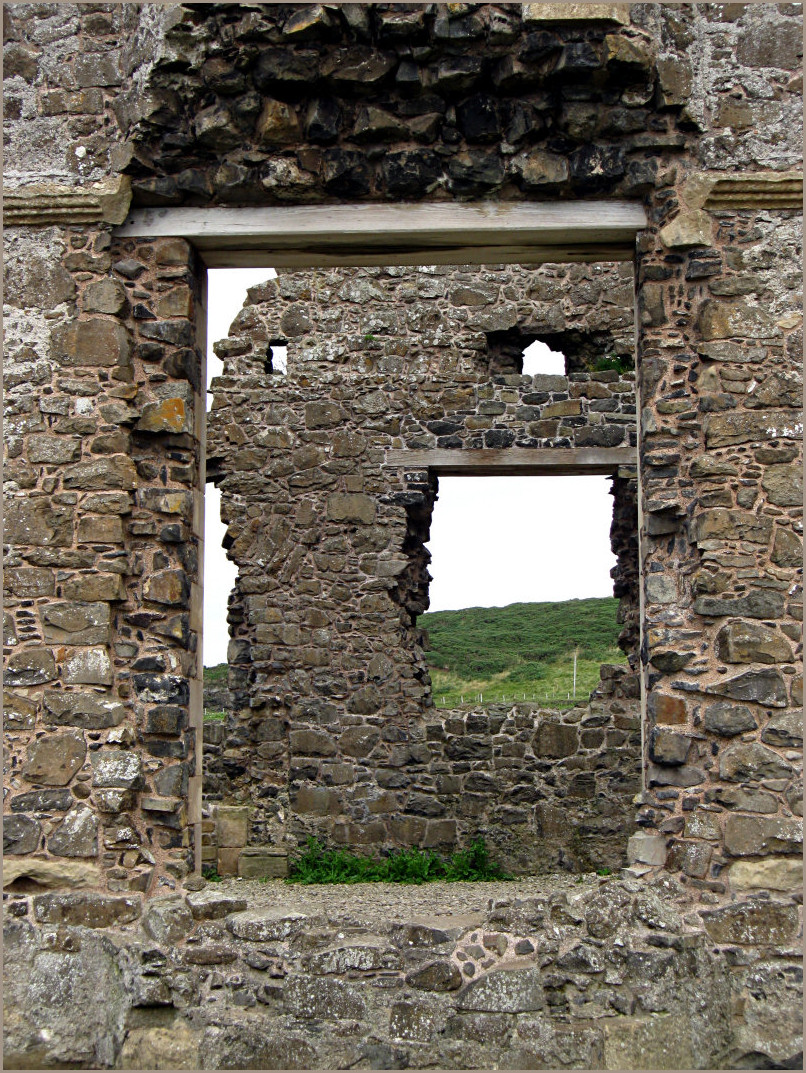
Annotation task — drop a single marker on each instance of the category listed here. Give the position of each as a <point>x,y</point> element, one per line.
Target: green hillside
<point>523,650</point>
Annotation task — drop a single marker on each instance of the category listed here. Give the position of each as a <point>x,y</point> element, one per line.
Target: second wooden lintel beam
<point>516,461</point>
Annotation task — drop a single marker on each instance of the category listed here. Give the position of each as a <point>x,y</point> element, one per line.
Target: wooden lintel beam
<point>444,233</point>
<point>515,461</point>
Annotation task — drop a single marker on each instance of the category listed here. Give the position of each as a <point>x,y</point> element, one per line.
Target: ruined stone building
<point>438,185</point>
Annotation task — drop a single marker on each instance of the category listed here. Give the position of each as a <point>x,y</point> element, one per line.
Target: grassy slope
<point>508,652</point>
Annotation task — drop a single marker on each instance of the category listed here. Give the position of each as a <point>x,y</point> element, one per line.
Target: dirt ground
<point>375,905</point>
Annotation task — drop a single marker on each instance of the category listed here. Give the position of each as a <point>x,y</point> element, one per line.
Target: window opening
<point>279,358</point>
<point>256,761</point>
<point>539,358</point>
<point>522,590</point>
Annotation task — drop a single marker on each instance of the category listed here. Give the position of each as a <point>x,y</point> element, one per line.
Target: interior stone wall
<point>332,730</point>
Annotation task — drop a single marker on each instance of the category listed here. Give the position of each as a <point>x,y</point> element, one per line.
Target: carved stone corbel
<point>47,203</point>
<point>715,191</point>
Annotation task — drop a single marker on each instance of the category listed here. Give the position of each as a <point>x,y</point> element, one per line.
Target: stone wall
<point>547,790</point>
<point>558,973</point>
<point>367,102</point>
<point>332,730</point>
<point>102,471</point>
<point>101,527</point>
<point>722,498</point>
<point>695,109</point>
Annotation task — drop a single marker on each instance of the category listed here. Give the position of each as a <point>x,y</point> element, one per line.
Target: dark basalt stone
<point>156,190</point>
<point>234,182</point>
<point>179,332</point>
<point>223,77</point>
<point>578,58</point>
<point>20,834</point>
<point>729,719</point>
<point>538,46</point>
<point>346,173</point>
<point>408,78</point>
<point>195,183</point>
<point>763,687</point>
<point>456,73</point>
<point>464,28</point>
<point>323,119</point>
<point>758,604</point>
<point>478,118</point>
<point>668,747</point>
<point>43,801</point>
<point>596,166</point>
<point>600,436</point>
<point>358,69</point>
<point>286,68</point>
<point>411,172</point>
<point>167,689</point>
<point>475,172</point>
<point>499,438</point>
<point>443,428</point>
<point>402,25</point>
<point>184,364</point>
<point>246,109</point>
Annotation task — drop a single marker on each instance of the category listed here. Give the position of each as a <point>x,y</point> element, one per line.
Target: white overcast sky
<point>494,541</point>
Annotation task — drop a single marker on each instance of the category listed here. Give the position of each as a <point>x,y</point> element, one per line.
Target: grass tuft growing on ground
<point>315,864</point>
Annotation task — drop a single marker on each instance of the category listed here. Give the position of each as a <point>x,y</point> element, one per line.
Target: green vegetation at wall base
<point>319,865</point>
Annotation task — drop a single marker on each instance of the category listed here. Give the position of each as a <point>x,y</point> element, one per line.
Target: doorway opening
<point>328,726</point>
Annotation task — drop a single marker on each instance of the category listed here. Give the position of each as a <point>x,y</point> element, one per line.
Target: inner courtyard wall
<point>332,730</point>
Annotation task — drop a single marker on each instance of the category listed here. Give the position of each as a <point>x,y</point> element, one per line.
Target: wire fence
<point>549,700</point>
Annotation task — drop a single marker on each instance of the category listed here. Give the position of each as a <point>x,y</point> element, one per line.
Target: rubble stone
<point>55,759</point>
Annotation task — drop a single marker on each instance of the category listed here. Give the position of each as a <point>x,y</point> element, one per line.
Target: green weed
<point>473,864</point>
<point>621,363</point>
<point>210,873</point>
<point>315,864</point>
<point>211,716</point>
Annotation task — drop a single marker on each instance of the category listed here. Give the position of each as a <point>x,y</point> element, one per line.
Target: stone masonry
<point>332,730</point>
<point>713,288</point>
<point>557,973</point>
<point>694,111</point>
<point>547,790</point>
